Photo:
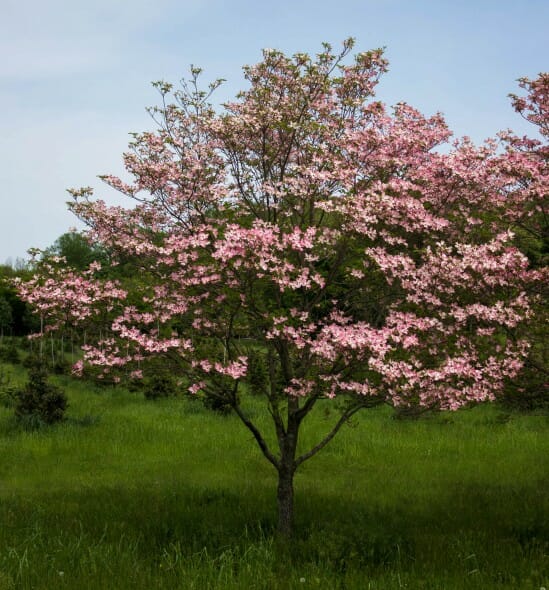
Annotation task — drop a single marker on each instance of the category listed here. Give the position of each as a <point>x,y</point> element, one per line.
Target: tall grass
<point>129,493</point>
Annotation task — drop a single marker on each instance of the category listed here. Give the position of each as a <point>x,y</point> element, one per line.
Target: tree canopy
<point>355,252</point>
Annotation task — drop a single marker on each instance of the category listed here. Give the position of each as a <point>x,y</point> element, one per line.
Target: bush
<point>7,391</point>
<point>217,404</point>
<point>135,385</point>
<point>99,377</point>
<point>32,360</point>
<point>159,385</point>
<point>8,397</point>
<point>220,398</point>
<point>528,393</point>
<point>10,354</point>
<point>257,377</point>
<point>412,412</point>
<point>61,366</point>
<point>40,402</point>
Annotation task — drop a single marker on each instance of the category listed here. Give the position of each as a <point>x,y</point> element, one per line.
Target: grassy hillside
<point>129,493</point>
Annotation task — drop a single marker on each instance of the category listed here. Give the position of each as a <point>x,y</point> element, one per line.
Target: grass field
<point>129,493</point>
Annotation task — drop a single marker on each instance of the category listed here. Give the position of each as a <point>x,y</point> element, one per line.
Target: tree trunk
<point>285,500</point>
<point>286,470</point>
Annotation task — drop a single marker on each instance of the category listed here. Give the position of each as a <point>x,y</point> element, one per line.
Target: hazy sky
<point>75,74</point>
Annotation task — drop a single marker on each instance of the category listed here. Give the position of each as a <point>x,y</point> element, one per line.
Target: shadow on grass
<point>328,530</point>
<point>14,426</point>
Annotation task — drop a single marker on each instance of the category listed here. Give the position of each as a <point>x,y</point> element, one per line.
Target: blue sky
<point>74,76</point>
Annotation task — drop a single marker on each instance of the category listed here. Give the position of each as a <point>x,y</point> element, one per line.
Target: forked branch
<point>342,420</point>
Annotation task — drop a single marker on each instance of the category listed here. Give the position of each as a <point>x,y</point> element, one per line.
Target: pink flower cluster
<point>324,227</point>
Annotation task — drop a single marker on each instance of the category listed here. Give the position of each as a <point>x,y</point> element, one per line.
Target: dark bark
<point>286,469</point>
<point>286,463</point>
<point>285,500</point>
<point>258,437</point>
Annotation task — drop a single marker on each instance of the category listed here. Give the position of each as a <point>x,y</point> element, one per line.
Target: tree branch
<point>306,408</point>
<point>344,417</point>
<point>257,435</point>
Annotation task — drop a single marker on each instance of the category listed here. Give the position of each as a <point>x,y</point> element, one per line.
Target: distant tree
<point>6,317</point>
<point>75,249</point>
<point>310,243</point>
<point>19,309</point>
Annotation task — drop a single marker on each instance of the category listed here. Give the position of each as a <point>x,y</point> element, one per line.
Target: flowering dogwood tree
<point>313,229</point>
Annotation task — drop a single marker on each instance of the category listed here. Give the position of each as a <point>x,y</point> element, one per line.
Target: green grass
<point>129,493</point>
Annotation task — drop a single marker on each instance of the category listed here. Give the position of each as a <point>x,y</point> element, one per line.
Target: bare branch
<point>257,435</point>
<point>306,408</point>
<point>344,418</point>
